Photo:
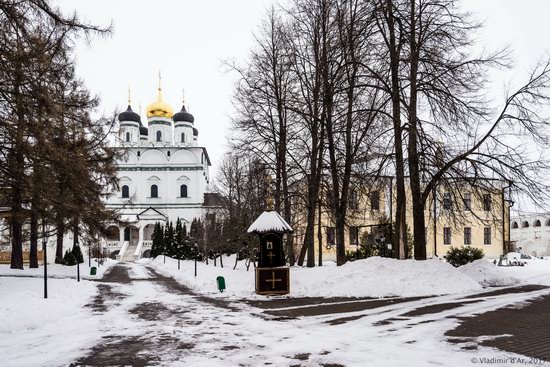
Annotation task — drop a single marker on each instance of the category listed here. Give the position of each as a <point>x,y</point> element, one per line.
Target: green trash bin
<point>221,283</point>
<point>93,270</point>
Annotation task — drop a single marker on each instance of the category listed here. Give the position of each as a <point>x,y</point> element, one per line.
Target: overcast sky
<point>188,39</point>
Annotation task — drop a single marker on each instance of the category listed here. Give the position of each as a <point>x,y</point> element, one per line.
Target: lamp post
<point>382,240</point>
<point>196,254</point>
<point>44,247</point>
<point>89,254</point>
<point>77,265</point>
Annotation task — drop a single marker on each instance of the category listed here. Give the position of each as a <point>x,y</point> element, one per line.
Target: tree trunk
<point>59,243</point>
<point>419,225</point>
<point>33,255</point>
<point>320,235</point>
<point>400,202</point>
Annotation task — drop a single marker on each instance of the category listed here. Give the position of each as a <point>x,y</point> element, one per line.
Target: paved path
<point>148,346</point>
<point>150,319</point>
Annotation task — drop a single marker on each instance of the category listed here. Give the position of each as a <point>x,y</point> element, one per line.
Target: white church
<point>164,175</point>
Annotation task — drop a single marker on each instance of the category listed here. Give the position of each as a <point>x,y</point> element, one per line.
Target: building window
<point>446,235</point>
<point>467,199</point>
<point>183,191</point>
<point>487,235</point>
<point>159,136</point>
<point>487,202</point>
<point>331,236</point>
<point>537,223</point>
<point>525,224</point>
<point>125,191</point>
<point>515,225</point>
<point>375,200</point>
<point>354,236</point>
<point>127,234</point>
<point>183,137</point>
<point>154,191</point>
<point>352,201</point>
<point>467,235</point>
<point>168,153</point>
<point>447,201</point>
<point>138,153</point>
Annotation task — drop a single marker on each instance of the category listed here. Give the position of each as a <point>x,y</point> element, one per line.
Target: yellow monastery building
<point>479,218</point>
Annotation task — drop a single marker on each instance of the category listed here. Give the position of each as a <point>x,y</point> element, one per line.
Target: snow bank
<point>383,277</point>
<point>58,270</point>
<point>373,277</point>
<point>487,273</point>
<point>24,298</point>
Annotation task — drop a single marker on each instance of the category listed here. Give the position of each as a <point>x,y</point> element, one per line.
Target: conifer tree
<point>77,253</point>
<point>158,240</point>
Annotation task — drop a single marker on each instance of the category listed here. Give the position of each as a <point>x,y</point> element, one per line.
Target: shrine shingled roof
<point>269,221</point>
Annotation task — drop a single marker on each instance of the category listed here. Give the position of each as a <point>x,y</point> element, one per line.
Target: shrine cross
<point>273,280</point>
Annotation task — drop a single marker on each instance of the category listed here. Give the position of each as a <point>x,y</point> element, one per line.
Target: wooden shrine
<point>272,274</point>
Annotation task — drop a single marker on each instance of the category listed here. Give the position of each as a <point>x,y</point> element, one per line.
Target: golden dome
<point>159,108</point>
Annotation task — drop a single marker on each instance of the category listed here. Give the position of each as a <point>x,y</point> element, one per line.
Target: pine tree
<point>158,240</point>
<point>69,259</point>
<point>77,253</point>
<point>178,247</point>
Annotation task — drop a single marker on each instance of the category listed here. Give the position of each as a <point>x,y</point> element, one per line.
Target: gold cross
<point>270,257</point>
<point>273,280</point>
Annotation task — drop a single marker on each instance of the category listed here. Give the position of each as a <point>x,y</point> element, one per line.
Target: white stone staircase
<point>129,253</point>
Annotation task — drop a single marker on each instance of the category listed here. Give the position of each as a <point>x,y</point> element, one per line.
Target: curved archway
<point>537,223</point>
<point>114,254</point>
<point>112,233</point>
<point>146,254</point>
<point>525,224</point>
<point>515,225</point>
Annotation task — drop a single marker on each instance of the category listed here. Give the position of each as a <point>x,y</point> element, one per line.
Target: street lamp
<point>44,247</point>
<point>196,254</point>
<point>77,264</point>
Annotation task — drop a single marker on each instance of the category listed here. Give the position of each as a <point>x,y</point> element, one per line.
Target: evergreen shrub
<point>463,255</point>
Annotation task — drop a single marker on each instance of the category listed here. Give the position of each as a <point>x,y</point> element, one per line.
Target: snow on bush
<point>487,274</point>
<point>372,277</point>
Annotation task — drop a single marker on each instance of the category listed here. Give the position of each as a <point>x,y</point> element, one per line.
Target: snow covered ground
<point>486,273</point>
<point>59,330</point>
<point>58,271</point>
<point>373,277</point>
<point>31,327</point>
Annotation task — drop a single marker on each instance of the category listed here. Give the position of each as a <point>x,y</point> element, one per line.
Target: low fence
<point>5,257</point>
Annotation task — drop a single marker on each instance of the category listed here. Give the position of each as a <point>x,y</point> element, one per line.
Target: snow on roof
<point>269,221</point>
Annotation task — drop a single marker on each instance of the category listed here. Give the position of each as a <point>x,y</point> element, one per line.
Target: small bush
<point>69,259</point>
<point>462,256</point>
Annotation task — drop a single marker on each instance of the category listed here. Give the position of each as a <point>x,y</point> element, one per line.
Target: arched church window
<point>183,191</point>
<point>125,191</point>
<point>159,136</point>
<point>183,137</point>
<point>127,137</point>
<point>139,154</point>
<point>168,153</point>
<point>154,191</point>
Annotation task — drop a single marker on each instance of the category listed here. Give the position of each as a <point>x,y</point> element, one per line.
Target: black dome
<point>129,115</point>
<point>143,130</point>
<point>183,115</point>
<point>195,132</point>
